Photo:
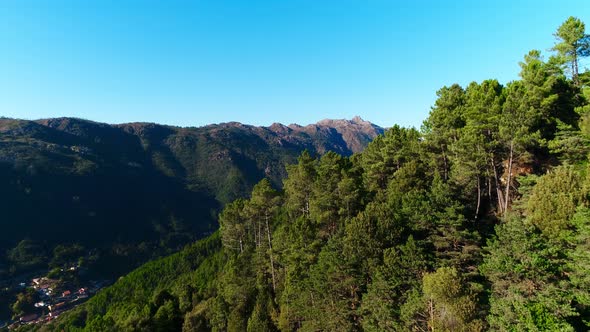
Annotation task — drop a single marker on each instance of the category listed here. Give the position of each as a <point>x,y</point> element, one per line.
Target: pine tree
<point>442,128</point>
<point>572,44</point>
<point>523,269</point>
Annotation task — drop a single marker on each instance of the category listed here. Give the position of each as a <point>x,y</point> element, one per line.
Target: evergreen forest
<point>477,221</point>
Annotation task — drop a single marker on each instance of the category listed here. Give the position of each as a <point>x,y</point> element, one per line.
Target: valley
<point>109,197</point>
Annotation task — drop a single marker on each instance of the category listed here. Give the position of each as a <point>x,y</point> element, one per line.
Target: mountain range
<point>139,188</point>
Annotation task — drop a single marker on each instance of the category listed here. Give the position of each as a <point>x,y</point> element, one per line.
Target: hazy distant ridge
<point>131,182</point>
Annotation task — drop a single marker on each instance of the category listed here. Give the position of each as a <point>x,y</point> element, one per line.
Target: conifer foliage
<point>477,222</point>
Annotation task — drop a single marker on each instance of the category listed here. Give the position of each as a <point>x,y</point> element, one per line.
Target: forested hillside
<point>478,221</point>
<point>68,181</point>
<point>106,198</point>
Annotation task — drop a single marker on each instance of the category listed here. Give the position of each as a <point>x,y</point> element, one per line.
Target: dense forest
<point>104,199</point>
<point>107,198</point>
<point>478,221</point>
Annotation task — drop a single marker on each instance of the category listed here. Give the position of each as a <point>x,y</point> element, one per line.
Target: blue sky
<point>191,63</point>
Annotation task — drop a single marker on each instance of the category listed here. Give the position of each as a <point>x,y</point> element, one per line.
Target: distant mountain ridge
<point>231,141</point>
<point>356,133</point>
<point>66,180</point>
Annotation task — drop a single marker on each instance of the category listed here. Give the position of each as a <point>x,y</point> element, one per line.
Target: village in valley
<point>47,298</point>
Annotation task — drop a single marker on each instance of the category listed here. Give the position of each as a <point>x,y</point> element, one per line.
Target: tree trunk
<point>431,314</point>
<point>575,68</point>
<point>489,178</point>
<point>272,265</point>
<point>259,240</point>
<point>478,198</point>
<point>446,166</point>
<point>497,184</point>
<point>509,180</point>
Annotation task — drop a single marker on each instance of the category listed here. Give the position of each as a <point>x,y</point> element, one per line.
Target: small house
<point>28,318</point>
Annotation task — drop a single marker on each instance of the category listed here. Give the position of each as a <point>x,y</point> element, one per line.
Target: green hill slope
<point>115,196</point>
<point>480,221</point>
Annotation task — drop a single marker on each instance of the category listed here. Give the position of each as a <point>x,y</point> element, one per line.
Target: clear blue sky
<point>191,63</point>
